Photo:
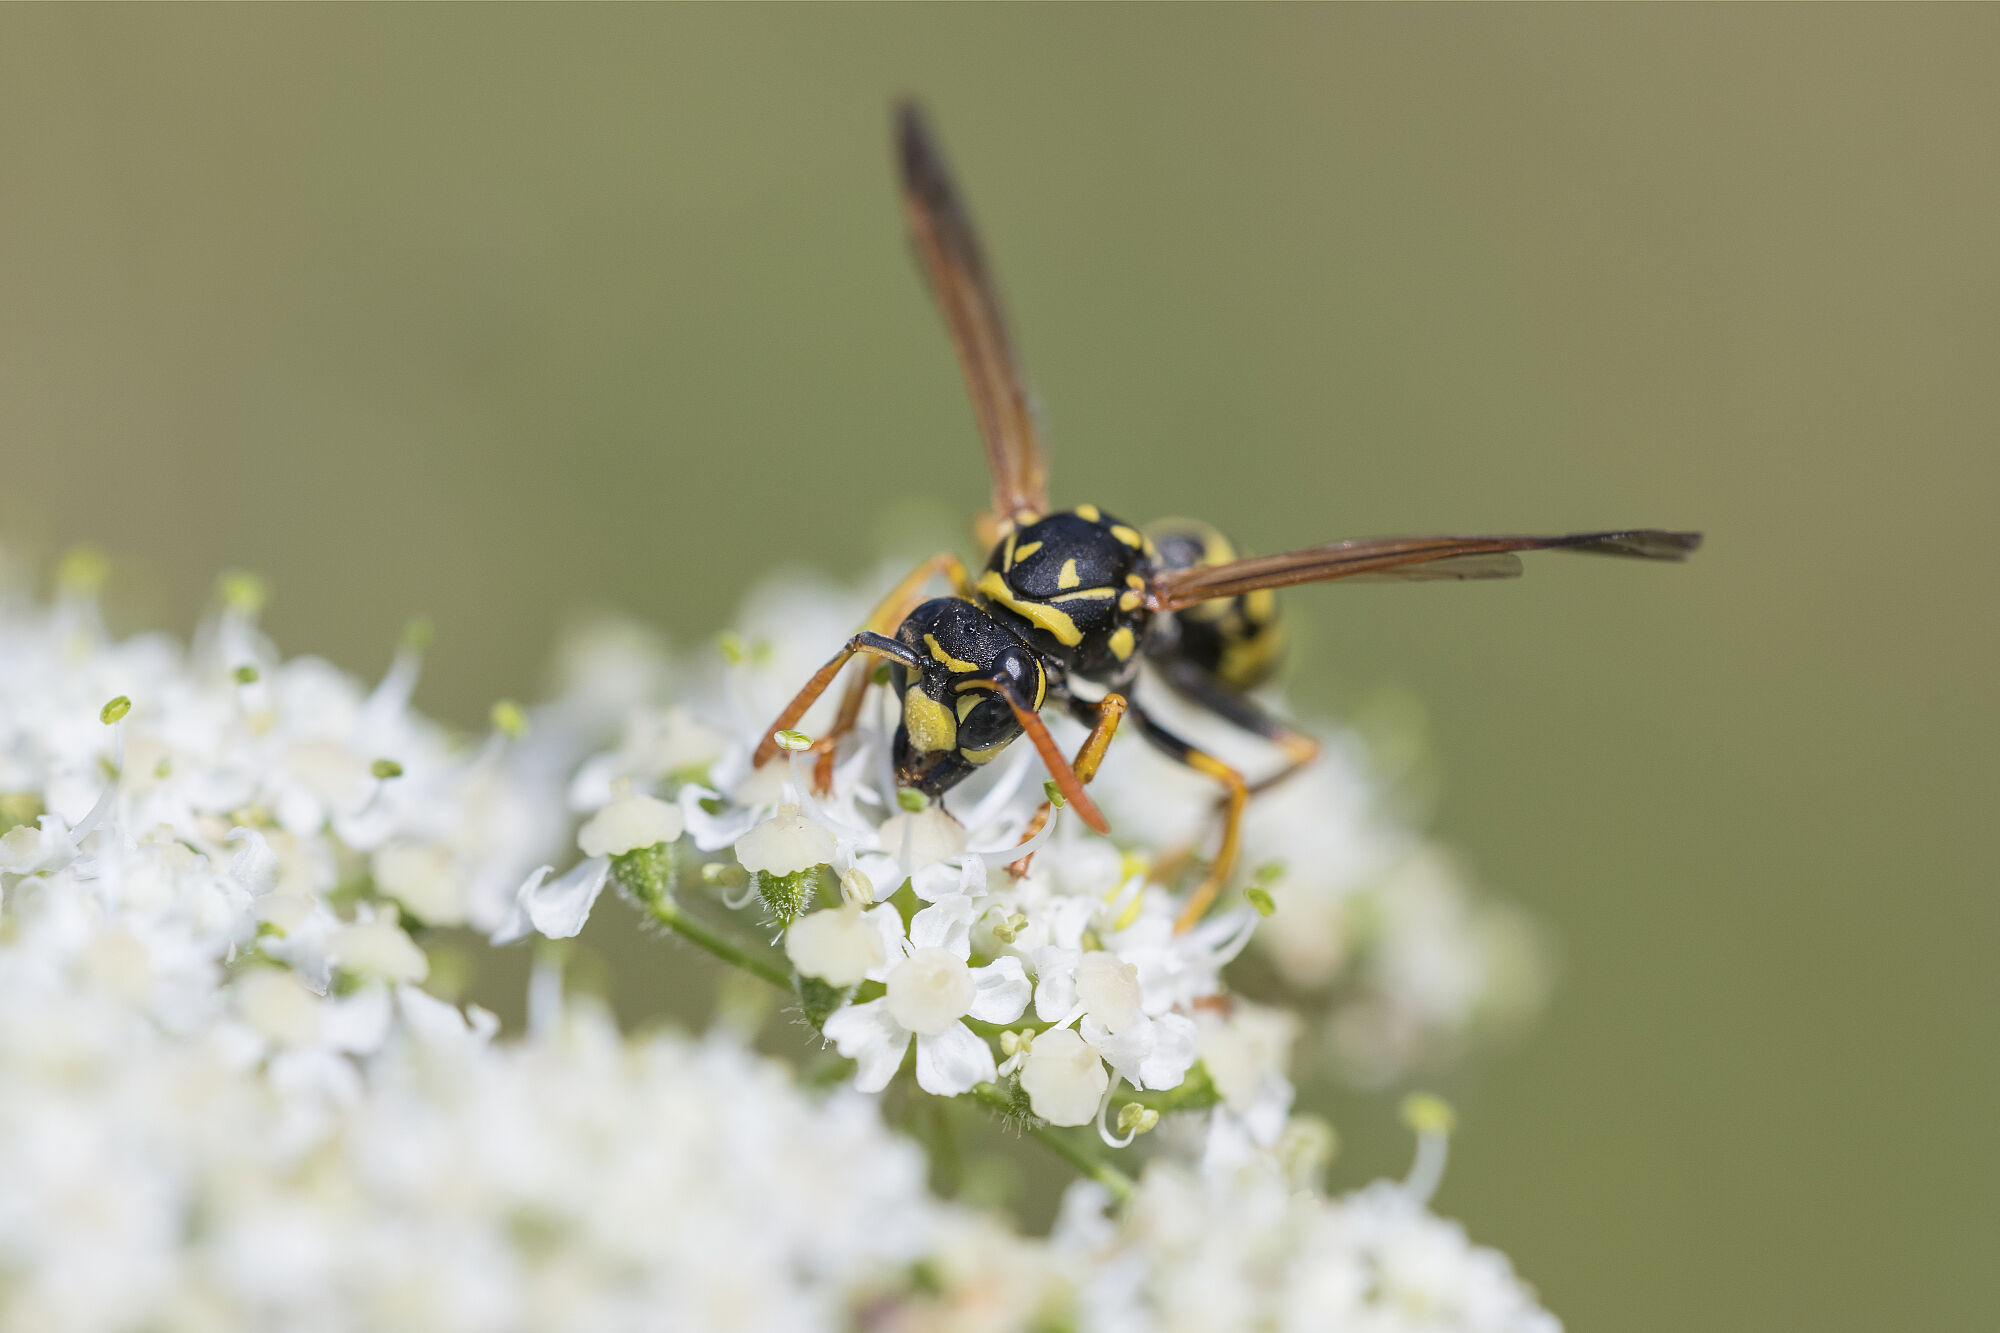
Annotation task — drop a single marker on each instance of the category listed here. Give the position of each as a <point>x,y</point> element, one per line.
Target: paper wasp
<point>1078,594</point>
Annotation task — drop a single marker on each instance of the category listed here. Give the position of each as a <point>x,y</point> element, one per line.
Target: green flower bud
<point>114,710</point>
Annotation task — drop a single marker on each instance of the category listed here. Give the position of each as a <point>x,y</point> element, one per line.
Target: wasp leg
<point>1235,793</point>
<point>887,615</point>
<point>1102,718</point>
<point>867,641</point>
<point>1203,690</point>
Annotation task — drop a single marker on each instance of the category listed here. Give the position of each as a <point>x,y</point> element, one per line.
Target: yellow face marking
<point>1041,685</point>
<point>1089,513</point>
<point>1129,600</point>
<point>1040,614</point>
<point>939,655</point>
<point>1121,642</point>
<point>930,725</point>
<point>983,754</point>
<point>1069,578</point>
<point>966,703</point>
<point>1023,552</point>
<point>1127,535</point>
<point>1085,595</point>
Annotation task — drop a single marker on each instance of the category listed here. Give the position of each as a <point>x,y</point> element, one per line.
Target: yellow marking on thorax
<point>1127,535</point>
<point>1069,578</point>
<point>1007,555</point>
<point>1023,552</point>
<point>1041,614</point>
<point>1089,513</point>
<point>930,725</point>
<point>1122,642</point>
<point>1129,600</point>
<point>1085,595</point>
<point>938,654</point>
<point>1136,583</point>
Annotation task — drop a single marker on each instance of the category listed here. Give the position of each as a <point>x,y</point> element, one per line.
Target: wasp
<point>1080,595</point>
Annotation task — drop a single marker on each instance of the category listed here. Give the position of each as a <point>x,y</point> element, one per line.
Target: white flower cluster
<point>1071,976</point>
<point>226,1102</point>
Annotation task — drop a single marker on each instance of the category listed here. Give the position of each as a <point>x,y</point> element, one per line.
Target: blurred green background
<point>495,313</point>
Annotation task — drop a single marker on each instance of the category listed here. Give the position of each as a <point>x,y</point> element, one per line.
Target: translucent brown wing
<point>1404,559</point>
<point>952,261</point>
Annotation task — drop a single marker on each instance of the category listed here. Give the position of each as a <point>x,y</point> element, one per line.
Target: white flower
<point>379,949</point>
<point>929,991</point>
<point>1064,1078</point>
<point>843,945</point>
<point>785,844</point>
<point>629,822</point>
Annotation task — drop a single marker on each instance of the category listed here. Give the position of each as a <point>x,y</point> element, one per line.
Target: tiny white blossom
<point>631,821</point>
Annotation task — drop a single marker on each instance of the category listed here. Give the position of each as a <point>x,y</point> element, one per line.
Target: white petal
<point>839,946</point>
<point>785,844</point>
<point>1173,1052</point>
<point>1055,982</point>
<point>1003,991</point>
<point>558,908</point>
<point>630,822</point>
<point>953,1061</point>
<point>917,840</point>
<point>945,924</point>
<point>930,991</point>
<point>378,949</point>
<point>1063,1078</point>
<point>937,880</point>
<point>1108,986</point>
<point>713,832</point>
<point>889,924</point>
<point>868,1035</point>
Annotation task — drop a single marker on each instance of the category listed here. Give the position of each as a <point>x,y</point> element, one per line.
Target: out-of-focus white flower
<point>632,820</point>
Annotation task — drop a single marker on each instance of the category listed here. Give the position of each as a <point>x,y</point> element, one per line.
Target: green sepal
<point>786,896</point>
<point>646,873</point>
<point>819,998</point>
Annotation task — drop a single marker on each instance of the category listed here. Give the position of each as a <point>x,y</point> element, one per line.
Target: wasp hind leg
<point>1235,794</point>
<point>1203,690</point>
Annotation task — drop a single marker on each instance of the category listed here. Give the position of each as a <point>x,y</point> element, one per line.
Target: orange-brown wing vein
<point>952,261</point>
<point>1404,559</point>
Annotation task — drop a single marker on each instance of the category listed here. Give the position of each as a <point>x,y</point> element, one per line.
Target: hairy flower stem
<point>668,913</point>
<point>1086,1164</point>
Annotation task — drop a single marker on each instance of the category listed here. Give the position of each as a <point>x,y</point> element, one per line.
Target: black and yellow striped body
<point>1238,641</point>
<point>952,720</point>
<point>1072,585</point>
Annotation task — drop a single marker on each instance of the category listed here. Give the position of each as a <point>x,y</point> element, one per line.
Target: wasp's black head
<point>956,714</point>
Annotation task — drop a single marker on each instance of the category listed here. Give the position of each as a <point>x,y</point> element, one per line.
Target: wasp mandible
<point>1080,595</point>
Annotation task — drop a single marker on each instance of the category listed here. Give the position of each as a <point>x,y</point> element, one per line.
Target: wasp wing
<point>1404,559</point>
<point>949,249</point>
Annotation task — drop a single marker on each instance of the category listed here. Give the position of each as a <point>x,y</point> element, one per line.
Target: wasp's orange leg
<point>1103,718</point>
<point>889,613</point>
<point>1236,792</point>
<point>865,642</point>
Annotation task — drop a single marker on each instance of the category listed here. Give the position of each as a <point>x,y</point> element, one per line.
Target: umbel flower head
<point>228,1101</point>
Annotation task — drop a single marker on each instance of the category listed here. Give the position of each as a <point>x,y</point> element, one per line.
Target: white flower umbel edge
<point>226,1103</point>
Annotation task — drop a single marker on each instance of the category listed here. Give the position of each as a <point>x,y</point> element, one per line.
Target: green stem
<point>668,913</point>
<point>1085,1163</point>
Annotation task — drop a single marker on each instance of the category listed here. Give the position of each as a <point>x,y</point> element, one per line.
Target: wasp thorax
<point>1073,585</point>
